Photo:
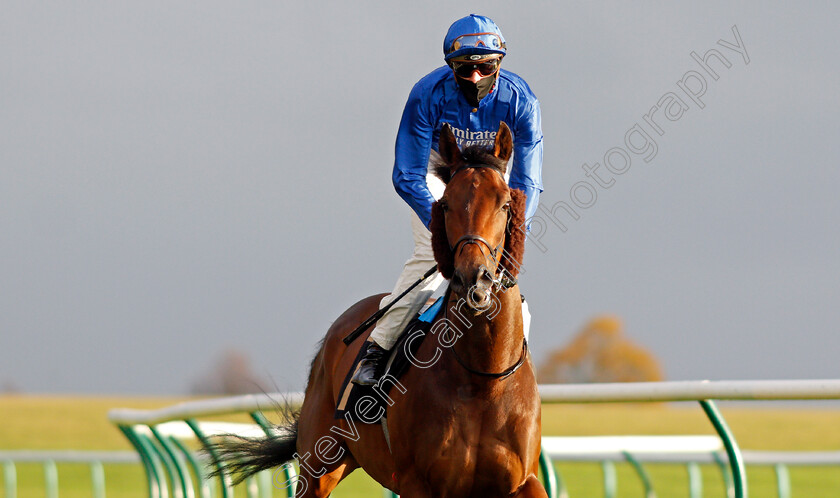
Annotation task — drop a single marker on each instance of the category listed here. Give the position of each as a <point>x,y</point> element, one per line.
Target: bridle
<point>505,280</point>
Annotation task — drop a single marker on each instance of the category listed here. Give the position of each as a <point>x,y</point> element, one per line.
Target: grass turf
<point>46,422</point>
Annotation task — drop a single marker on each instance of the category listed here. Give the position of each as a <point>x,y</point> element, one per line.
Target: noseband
<point>478,240</point>
<point>504,281</point>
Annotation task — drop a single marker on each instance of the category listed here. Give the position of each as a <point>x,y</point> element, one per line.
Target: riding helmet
<point>473,35</point>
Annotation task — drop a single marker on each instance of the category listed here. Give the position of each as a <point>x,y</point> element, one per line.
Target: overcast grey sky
<point>180,178</point>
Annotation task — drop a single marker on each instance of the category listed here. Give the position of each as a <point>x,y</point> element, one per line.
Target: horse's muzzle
<point>475,286</point>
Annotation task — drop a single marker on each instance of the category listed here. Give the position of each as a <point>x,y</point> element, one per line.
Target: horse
<point>466,421</point>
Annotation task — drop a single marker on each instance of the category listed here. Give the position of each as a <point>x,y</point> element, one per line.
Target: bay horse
<point>466,421</point>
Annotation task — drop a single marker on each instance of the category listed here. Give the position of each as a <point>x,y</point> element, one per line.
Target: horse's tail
<point>242,457</point>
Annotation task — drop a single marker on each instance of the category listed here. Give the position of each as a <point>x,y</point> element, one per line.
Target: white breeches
<point>394,321</point>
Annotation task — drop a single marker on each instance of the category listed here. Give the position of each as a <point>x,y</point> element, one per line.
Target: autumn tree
<point>600,353</point>
<point>230,374</point>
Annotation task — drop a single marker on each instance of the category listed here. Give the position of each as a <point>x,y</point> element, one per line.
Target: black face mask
<point>474,92</point>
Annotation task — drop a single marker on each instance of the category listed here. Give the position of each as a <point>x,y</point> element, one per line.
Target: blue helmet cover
<point>470,25</point>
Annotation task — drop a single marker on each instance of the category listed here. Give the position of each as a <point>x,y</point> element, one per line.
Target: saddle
<point>369,404</point>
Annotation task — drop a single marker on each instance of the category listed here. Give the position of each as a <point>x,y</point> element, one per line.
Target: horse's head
<point>477,226</point>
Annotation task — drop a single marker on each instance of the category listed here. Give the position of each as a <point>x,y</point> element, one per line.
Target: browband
<point>477,165</point>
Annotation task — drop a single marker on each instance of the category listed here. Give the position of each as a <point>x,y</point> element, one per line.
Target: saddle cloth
<point>368,404</point>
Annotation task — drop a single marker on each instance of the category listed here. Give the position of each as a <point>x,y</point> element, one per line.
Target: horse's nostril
<point>478,298</point>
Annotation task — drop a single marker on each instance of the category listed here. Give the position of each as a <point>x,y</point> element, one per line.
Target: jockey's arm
<point>414,141</point>
<point>526,172</point>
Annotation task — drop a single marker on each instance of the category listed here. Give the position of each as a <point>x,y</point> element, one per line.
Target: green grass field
<point>40,422</point>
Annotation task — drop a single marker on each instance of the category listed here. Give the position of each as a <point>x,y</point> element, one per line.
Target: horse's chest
<point>473,450</point>
<point>488,469</point>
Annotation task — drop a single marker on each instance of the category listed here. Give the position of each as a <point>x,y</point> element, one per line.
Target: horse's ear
<point>448,147</point>
<point>503,147</point>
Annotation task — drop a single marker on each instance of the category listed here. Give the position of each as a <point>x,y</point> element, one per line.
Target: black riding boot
<point>370,367</point>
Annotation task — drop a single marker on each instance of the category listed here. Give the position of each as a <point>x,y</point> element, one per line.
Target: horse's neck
<point>492,341</point>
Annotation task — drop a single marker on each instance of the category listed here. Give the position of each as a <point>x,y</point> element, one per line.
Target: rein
<point>499,375</point>
<point>493,375</point>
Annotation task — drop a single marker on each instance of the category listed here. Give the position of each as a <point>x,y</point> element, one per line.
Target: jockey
<point>473,95</point>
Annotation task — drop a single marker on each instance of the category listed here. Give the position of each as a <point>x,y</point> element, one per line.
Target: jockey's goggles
<point>489,41</point>
<point>465,69</point>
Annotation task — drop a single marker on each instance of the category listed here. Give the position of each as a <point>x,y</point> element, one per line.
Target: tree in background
<point>600,353</point>
<point>230,374</point>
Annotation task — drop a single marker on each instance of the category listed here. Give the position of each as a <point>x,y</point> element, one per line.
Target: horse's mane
<point>474,154</point>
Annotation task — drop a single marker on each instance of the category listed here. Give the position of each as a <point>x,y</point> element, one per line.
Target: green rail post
<point>97,479</point>
<point>782,480</point>
<point>695,480</point>
<point>252,488</point>
<point>179,473</point>
<point>264,481</point>
<point>725,474</point>
<point>642,473</point>
<point>268,428</point>
<point>736,462</point>
<point>549,475</point>
<point>263,422</point>
<point>562,490</point>
<point>168,480</point>
<point>203,484</point>
<point>151,461</point>
<point>50,479</point>
<point>610,481</point>
<point>10,478</point>
<point>227,483</point>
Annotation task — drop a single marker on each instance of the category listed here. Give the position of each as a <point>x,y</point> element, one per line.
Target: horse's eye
<point>444,206</point>
<point>506,207</point>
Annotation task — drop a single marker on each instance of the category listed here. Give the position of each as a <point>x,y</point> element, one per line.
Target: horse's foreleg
<point>411,488</point>
<point>322,456</point>
<point>322,486</point>
<point>321,467</point>
<point>532,488</point>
